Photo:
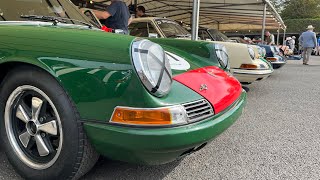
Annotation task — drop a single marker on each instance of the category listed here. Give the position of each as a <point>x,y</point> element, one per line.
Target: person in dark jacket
<point>116,16</point>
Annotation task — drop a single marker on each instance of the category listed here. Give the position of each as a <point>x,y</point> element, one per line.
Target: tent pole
<point>264,22</point>
<point>135,7</point>
<point>195,19</point>
<point>284,36</point>
<point>278,37</point>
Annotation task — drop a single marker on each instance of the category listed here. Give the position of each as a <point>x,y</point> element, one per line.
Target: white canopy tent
<point>224,15</point>
<point>220,14</point>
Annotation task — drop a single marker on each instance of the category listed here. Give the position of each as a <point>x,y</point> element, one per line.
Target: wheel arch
<point>7,66</point>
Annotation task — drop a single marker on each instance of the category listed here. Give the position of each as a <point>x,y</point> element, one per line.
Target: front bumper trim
<point>154,146</point>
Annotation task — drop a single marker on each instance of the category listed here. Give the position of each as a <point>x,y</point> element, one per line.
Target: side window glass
<point>203,35</point>
<point>152,30</point>
<point>139,29</point>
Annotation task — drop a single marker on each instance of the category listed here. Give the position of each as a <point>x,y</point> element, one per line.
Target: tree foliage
<point>297,9</point>
<point>299,25</point>
<point>279,4</point>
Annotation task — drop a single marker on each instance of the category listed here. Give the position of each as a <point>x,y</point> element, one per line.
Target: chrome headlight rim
<point>251,53</point>
<point>222,55</point>
<point>156,78</point>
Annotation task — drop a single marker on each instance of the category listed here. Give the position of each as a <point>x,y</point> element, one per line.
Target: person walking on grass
<point>308,41</point>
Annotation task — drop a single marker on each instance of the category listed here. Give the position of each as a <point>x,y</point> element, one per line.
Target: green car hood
<point>54,40</point>
<point>197,53</point>
<point>94,67</point>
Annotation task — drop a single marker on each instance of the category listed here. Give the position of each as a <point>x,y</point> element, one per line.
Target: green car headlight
<point>251,53</point>
<point>152,66</point>
<point>222,55</point>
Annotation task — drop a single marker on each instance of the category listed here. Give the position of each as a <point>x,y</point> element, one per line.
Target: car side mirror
<point>153,35</point>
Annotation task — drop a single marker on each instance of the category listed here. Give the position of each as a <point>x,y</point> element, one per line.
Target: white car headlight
<point>251,53</point>
<point>262,51</point>
<point>152,66</point>
<point>272,49</point>
<point>222,55</point>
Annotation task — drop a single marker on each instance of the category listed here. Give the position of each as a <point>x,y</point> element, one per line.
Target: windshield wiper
<point>183,35</point>
<point>54,20</point>
<point>1,15</point>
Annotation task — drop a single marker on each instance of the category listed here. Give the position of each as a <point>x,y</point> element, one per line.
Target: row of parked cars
<point>71,92</point>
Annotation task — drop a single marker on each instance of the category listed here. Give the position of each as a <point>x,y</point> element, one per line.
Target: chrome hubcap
<point>33,127</point>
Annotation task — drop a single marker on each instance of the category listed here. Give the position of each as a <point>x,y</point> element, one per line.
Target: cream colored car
<point>244,60</point>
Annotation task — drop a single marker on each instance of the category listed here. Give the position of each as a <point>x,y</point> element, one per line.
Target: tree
<point>279,4</point>
<point>298,9</point>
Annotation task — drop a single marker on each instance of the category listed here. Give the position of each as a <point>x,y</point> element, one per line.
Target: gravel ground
<point>277,137</point>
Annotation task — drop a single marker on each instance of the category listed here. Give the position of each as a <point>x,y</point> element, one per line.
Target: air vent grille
<point>198,110</point>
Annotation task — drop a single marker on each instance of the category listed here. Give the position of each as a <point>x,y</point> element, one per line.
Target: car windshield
<point>172,29</point>
<point>21,10</point>
<point>218,36</point>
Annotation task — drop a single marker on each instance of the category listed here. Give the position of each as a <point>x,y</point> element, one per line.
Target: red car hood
<point>214,84</point>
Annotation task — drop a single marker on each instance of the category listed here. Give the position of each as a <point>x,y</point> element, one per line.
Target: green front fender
<point>93,67</point>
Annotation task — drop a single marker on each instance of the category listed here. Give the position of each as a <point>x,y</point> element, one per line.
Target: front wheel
<point>42,135</point>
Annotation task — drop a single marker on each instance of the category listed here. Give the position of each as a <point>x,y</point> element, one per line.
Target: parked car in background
<point>261,67</point>
<point>71,92</point>
<point>243,64</point>
<point>240,40</point>
<point>274,56</point>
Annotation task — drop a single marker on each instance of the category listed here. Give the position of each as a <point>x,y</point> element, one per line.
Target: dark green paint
<point>94,67</point>
<point>164,144</point>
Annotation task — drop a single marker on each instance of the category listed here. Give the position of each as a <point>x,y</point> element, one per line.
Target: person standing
<point>269,38</point>
<point>294,43</point>
<point>141,12</point>
<point>318,47</point>
<point>116,16</point>
<point>308,40</point>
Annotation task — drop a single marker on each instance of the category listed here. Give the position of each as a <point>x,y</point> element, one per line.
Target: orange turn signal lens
<point>272,58</point>
<point>248,66</point>
<point>149,116</point>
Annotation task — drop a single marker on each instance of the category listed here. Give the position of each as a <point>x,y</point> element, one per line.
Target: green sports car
<point>70,92</point>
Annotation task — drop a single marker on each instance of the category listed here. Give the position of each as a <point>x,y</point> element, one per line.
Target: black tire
<point>76,156</point>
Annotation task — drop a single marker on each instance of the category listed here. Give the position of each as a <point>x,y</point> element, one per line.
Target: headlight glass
<point>262,51</point>
<point>222,55</point>
<point>272,49</point>
<point>251,53</point>
<point>152,66</point>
